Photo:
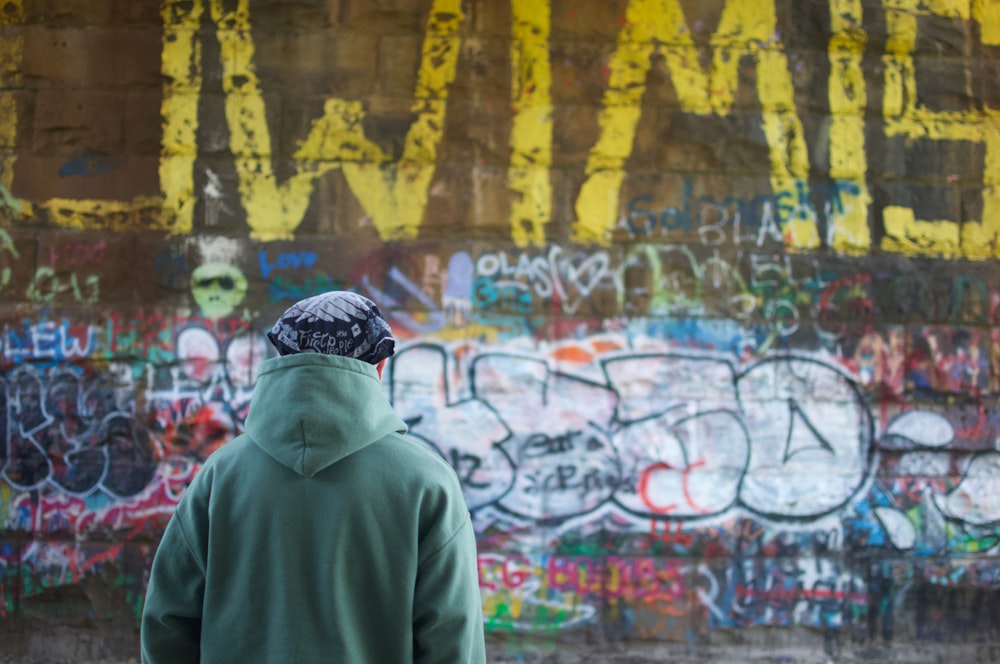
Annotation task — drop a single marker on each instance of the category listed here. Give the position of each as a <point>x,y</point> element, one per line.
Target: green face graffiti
<point>218,288</point>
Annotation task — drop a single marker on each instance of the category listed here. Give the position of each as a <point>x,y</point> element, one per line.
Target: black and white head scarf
<point>334,323</point>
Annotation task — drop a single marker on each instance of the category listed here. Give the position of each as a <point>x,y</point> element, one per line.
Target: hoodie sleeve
<point>448,620</point>
<point>171,616</point>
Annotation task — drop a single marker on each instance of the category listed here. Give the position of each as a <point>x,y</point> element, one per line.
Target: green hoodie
<point>320,535</point>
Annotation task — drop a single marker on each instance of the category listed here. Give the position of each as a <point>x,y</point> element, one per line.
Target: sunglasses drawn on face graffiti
<point>218,288</point>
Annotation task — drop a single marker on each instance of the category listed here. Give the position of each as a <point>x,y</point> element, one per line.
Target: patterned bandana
<point>334,323</point>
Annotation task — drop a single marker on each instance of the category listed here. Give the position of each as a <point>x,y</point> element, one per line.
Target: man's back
<point>321,535</point>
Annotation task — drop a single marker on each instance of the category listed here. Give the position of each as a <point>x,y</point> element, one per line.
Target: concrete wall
<point>700,298</point>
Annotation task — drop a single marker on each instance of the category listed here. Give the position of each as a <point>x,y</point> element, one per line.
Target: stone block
<point>972,208</point>
<point>297,16</point>
<point>810,72</point>
<point>11,46</point>
<point>339,64</point>
<point>142,122</point>
<point>985,82</point>
<point>943,36</point>
<point>490,20</point>
<point>650,144</point>
<point>580,71</point>
<point>130,13</point>
<point>483,70</point>
<point>384,15</point>
<point>18,262</point>
<point>324,215</point>
<point>906,292</point>
<point>472,201</point>
<point>597,23</point>
<point>96,591</point>
<point>655,207</point>
<point>874,352</point>
<point>804,25</point>
<point>11,581</point>
<point>89,177</point>
<point>75,13</point>
<point>387,122</point>
<point>943,85</point>
<point>338,211</point>
<point>24,112</point>
<point>76,123</point>
<point>213,136</point>
<point>477,132</point>
<point>94,266</point>
<point>167,262</point>
<point>574,132</point>
<point>933,600</point>
<point>93,57</point>
<point>736,142</point>
<point>398,63</point>
<point>930,202</point>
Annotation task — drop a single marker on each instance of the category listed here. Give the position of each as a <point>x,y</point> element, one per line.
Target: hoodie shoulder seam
<point>451,538</point>
<point>305,448</point>
<point>187,545</point>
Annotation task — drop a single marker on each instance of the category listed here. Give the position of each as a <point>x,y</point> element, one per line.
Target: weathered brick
<point>985,80</point>
<point>90,266</point>
<point>943,36</point>
<point>483,70</point>
<point>598,23</point>
<point>574,132</point>
<point>78,123</point>
<point>142,122</point>
<point>18,261</point>
<point>213,130</point>
<point>580,71</point>
<point>809,71</point>
<point>338,64</point>
<point>943,85</point>
<point>397,55</point>
<point>130,12</point>
<point>804,25</point>
<point>655,206</point>
<point>650,144</point>
<point>23,103</point>
<point>168,261</point>
<point>478,133</point>
<point>298,15</point>
<point>337,211</point>
<point>710,211</point>
<point>72,13</point>
<point>86,177</point>
<point>925,160</point>
<point>490,20</point>
<point>472,199</point>
<point>11,49</point>
<point>971,196</point>
<point>737,141</point>
<point>94,56</point>
<point>384,15</point>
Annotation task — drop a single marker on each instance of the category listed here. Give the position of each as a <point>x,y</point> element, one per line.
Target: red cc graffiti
<point>666,509</point>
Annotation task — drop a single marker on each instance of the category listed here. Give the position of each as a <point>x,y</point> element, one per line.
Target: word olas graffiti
<point>393,189</point>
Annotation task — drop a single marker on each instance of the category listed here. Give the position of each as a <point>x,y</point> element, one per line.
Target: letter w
<point>394,195</point>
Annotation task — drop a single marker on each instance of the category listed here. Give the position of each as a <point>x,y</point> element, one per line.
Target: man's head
<point>335,323</point>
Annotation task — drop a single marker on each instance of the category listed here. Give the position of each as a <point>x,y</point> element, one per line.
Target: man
<point>322,534</point>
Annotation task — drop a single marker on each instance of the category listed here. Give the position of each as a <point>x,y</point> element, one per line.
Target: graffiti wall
<point>701,300</point>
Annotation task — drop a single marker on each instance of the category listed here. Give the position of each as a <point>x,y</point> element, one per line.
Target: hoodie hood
<point>308,411</point>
